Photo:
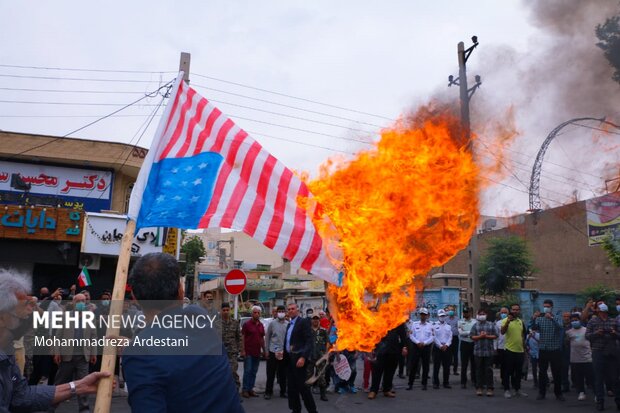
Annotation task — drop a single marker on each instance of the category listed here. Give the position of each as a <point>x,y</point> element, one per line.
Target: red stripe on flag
<point>261,192</point>
<point>177,98</point>
<point>222,178</point>
<point>313,254</point>
<point>273,233</point>
<point>192,125</point>
<point>206,132</point>
<point>242,186</point>
<point>177,132</point>
<point>299,229</point>
<point>221,136</point>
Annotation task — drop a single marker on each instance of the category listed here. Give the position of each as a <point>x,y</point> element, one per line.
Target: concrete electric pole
<point>465,96</point>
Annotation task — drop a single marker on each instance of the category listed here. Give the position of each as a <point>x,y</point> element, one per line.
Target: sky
<point>308,80</point>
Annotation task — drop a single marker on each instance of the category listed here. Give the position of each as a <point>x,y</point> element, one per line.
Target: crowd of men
<point>580,348</point>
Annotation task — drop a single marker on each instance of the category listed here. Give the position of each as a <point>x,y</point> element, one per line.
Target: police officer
<point>231,337</point>
<point>441,351</point>
<point>421,336</point>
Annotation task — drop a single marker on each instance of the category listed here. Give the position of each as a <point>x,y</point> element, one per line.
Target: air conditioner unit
<point>92,262</point>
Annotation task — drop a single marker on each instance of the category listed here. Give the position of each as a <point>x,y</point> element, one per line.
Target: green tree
<point>612,248</point>
<point>608,35</point>
<point>193,249</point>
<point>506,262</point>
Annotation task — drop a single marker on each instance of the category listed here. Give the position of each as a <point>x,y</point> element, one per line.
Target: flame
<point>399,209</point>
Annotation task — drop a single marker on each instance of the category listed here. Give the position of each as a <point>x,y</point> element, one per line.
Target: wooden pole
<point>104,391</point>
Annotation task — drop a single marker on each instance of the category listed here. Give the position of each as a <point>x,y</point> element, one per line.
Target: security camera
<point>474,39</point>
<point>478,79</point>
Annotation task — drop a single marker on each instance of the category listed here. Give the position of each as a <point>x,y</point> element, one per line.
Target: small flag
<point>203,171</point>
<point>84,278</point>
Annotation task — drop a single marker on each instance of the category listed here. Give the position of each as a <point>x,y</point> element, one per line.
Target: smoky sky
<point>561,75</point>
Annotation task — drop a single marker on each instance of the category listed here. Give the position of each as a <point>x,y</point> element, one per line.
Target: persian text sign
<point>54,185</point>
<point>104,232</point>
<point>603,214</point>
<point>50,224</point>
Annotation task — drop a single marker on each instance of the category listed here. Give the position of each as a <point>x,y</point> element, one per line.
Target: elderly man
<point>252,347</point>
<point>72,360</point>
<point>195,377</point>
<point>16,394</point>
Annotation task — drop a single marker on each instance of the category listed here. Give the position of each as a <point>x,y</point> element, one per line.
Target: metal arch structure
<point>534,191</point>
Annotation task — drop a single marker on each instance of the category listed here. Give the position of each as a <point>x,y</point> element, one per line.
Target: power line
<point>88,70</point>
<point>78,79</point>
<point>91,123</point>
<point>291,96</point>
<point>548,162</point>
<point>111,92</point>
<point>285,105</point>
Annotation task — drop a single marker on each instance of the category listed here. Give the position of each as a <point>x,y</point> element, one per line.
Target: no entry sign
<point>235,282</point>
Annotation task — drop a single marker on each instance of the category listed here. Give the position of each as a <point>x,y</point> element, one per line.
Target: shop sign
<point>41,223</point>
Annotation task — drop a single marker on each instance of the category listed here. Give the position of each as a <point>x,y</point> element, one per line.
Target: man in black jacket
<point>298,347</point>
<point>388,351</point>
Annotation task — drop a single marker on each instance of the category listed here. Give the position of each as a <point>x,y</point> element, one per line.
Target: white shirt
<point>443,334</point>
<point>501,339</point>
<point>420,332</point>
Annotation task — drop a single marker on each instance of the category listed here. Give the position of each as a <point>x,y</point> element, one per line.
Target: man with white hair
<point>16,394</point>
<point>252,346</point>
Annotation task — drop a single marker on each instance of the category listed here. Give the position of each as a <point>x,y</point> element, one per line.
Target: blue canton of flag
<point>179,191</point>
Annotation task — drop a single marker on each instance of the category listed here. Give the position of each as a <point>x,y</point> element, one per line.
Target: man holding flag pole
<point>203,171</point>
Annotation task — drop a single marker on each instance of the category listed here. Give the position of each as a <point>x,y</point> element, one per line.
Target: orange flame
<point>398,210</point>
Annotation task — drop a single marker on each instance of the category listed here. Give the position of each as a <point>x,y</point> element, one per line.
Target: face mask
<point>80,306</point>
<point>546,310</point>
<point>602,307</point>
<point>503,315</point>
<point>281,315</point>
<point>442,319</point>
<point>618,308</point>
<point>575,324</point>
<point>105,303</point>
<point>450,313</point>
<point>481,318</point>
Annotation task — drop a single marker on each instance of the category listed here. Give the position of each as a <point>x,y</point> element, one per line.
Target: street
<point>453,400</point>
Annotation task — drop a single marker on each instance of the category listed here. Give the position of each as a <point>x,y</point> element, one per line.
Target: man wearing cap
<point>274,340</point>
<point>467,347</point>
<point>421,336</point>
<point>441,352</point>
<point>602,333</point>
<point>231,338</point>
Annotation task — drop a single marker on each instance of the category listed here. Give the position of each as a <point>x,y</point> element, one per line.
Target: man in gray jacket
<point>274,341</point>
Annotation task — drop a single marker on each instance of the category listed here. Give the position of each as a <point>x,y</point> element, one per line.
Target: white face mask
<point>281,315</point>
<point>481,318</point>
<point>442,319</point>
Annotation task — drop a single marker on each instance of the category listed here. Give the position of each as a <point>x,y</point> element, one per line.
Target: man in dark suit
<point>298,347</point>
<point>193,378</point>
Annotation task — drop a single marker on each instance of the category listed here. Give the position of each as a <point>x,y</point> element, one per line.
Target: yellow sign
<point>170,247</point>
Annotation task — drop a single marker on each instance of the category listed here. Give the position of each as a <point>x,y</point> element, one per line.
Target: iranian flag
<point>84,278</point>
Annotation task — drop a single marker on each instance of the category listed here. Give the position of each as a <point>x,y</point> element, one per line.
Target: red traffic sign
<point>235,282</point>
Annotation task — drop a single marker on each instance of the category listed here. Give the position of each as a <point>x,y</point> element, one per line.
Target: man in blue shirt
<point>196,378</point>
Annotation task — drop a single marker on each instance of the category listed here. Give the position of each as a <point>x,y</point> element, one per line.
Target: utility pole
<point>184,65</point>
<point>465,96</point>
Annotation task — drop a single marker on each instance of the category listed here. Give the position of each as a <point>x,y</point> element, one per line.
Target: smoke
<point>561,75</point>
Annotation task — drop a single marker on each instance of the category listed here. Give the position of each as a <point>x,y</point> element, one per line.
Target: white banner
<point>103,234</point>
<point>58,181</point>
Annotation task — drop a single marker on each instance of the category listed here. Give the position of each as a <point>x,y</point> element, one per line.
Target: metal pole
<point>184,65</point>
<point>236,306</point>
